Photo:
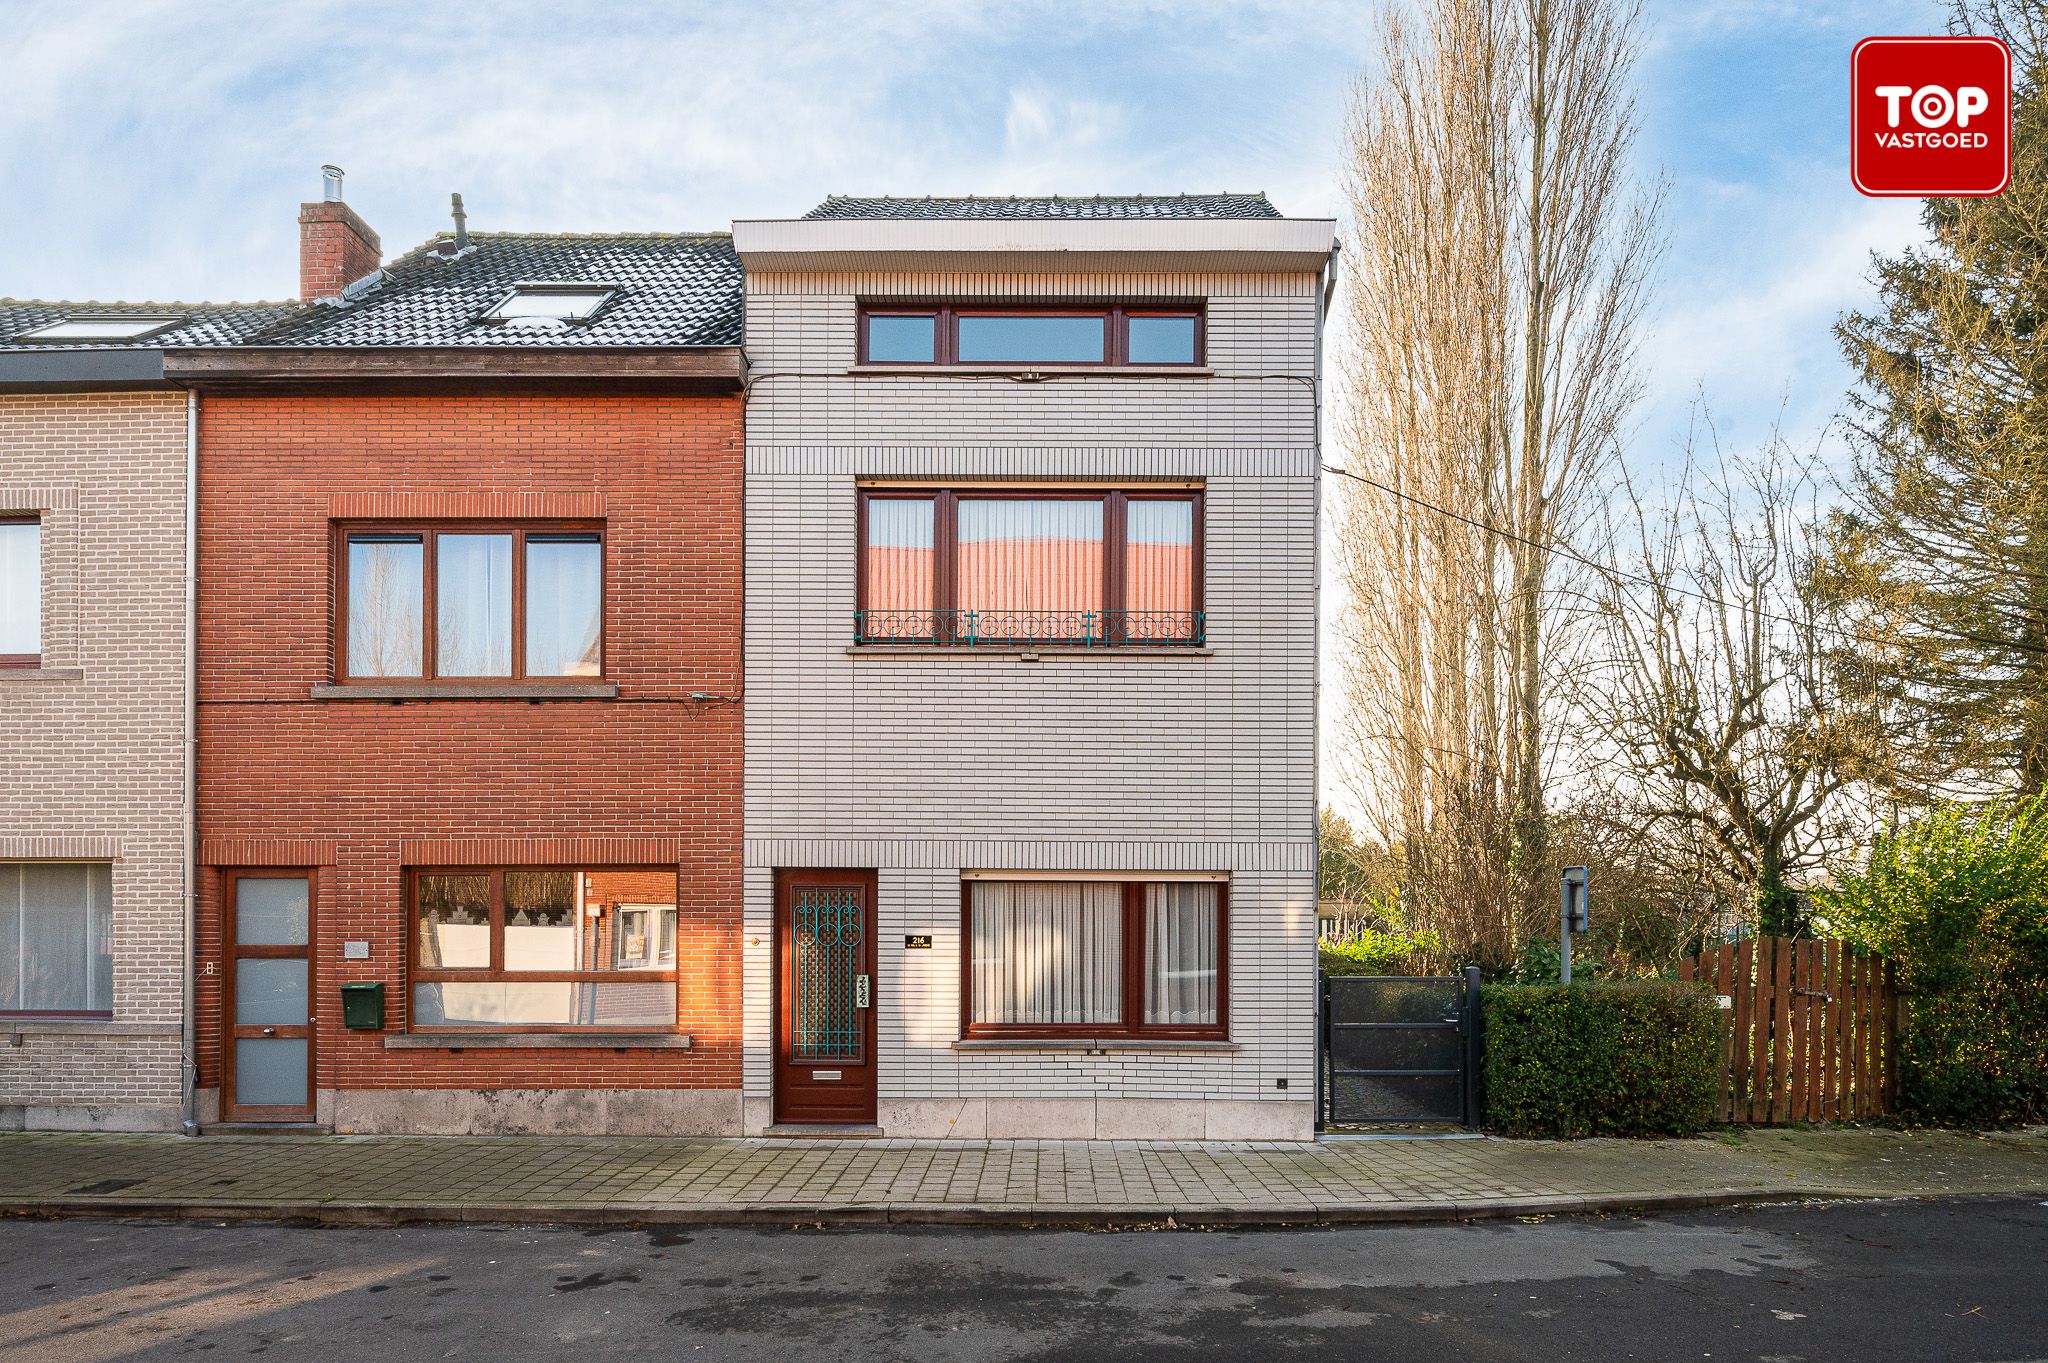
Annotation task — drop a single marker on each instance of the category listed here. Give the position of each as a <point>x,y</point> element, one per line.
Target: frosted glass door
<point>270,999</point>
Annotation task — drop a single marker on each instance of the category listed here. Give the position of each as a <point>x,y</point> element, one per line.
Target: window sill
<point>1120,652</point>
<point>1030,372</point>
<point>597,690</point>
<point>537,1041</point>
<point>106,1027</point>
<point>42,674</point>
<point>1108,1043</point>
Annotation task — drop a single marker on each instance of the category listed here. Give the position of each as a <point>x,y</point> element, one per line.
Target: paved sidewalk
<point>353,1179</point>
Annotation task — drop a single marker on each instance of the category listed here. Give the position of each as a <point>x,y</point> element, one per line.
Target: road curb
<point>798,1215</point>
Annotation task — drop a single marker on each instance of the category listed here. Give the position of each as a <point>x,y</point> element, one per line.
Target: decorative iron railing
<point>1087,629</point>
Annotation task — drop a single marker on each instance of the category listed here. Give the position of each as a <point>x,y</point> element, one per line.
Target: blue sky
<point>158,150</point>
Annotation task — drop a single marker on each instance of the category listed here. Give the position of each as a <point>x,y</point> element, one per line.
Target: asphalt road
<point>1871,1282</point>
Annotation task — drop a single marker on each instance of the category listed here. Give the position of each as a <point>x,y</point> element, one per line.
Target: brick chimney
<point>336,247</point>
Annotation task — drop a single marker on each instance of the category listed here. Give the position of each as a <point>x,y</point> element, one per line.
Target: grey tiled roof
<point>1053,206</point>
<point>205,324</point>
<point>672,290</point>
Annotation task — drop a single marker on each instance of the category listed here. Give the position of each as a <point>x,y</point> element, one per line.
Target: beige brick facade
<point>91,744</point>
<point>926,764</point>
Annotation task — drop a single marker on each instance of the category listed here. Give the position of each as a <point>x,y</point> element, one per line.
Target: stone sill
<point>42,674</point>
<point>84,1027</point>
<point>537,1041</point>
<point>1120,652</point>
<point>1033,372</point>
<point>1113,1043</point>
<point>600,690</point>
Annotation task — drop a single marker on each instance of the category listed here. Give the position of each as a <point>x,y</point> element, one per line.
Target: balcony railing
<point>1086,629</point>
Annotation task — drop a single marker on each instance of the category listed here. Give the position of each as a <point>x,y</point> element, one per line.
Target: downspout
<point>188,1059</point>
<point>1315,758</point>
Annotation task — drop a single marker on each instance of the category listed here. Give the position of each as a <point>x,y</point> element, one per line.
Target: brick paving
<point>549,1178</point>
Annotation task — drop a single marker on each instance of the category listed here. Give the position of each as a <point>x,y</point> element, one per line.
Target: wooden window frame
<point>495,972</point>
<point>428,533</point>
<point>946,547</point>
<point>29,660</point>
<point>1132,1026</point>
<point>1115,341</point>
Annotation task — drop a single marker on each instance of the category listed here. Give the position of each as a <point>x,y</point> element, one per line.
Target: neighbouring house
<point>469,688</point>
<point>1031,519</point>
<point>94,654</point>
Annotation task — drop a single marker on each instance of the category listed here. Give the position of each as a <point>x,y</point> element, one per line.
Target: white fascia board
<point>1062,245</point>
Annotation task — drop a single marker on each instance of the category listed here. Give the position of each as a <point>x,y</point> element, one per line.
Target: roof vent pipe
<point>461,222</point>
<point>330,183</point>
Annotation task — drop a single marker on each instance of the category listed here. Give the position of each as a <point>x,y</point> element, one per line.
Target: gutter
<point>188,1059</point>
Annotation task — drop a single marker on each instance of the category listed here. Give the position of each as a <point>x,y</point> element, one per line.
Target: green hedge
<point>1959,903</point>
<point>1368,951</point>
<point>1626,1058</point>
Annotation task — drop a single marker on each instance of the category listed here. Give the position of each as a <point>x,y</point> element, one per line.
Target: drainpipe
<point>188,1058</point>
<point>1315,758</point>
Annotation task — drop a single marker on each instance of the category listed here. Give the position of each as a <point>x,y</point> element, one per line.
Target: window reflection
<point>386,607</point>
<point>564,616</point>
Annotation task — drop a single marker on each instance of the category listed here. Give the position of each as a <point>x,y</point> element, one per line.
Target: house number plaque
<point>918,942</point>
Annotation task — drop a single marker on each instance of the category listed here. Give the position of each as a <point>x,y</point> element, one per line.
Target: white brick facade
<point>925,764</point>
<point>91,745</point>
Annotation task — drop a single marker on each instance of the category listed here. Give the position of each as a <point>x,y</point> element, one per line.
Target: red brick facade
<point>358,790</point>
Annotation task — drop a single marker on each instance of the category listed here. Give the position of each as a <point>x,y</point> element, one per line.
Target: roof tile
<point>1051,206</point>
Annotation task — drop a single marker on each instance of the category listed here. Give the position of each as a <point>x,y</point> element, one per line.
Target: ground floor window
<point>56,938</point>
<point>1054,958</point>
<point>544,948</point>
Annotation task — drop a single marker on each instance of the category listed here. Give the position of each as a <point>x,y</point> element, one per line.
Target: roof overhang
<point>1149,245</point>
<point>62,371</point>
<point>698,369</point>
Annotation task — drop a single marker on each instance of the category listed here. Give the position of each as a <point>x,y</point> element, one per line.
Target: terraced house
<point>95,783</point>
<point>1030,649</point>
<point>469,689</point>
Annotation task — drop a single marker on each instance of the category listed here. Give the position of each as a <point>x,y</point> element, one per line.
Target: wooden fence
<point>1809,1035</point>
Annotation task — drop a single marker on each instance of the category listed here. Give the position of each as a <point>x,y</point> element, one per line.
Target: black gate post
<point>1471,1045</point>
<point>1322,1043</point>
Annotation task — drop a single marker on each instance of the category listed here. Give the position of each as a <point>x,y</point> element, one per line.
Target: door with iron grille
<point>1399,1049</point>
<point>825,997</point>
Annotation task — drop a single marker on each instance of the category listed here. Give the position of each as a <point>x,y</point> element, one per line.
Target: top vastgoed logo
<point>1930,116</point>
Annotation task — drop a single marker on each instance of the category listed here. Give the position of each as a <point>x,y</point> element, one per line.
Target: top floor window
<point>21,591</point>
<point>549,304</point>
<point>944,334</point>
<point>90,327</point>
<point>470,601</point>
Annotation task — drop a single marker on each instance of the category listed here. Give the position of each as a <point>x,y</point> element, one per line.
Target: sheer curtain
<point>1037,555</point>
<point>1047,954</point>
<point>1160,557</point>
<point>1180,954</point>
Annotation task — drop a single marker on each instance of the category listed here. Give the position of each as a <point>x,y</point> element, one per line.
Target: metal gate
<point>1399,1048</point>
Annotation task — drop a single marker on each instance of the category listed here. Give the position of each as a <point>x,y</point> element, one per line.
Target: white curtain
<point>1180,954</point>
<point>1047,954</point>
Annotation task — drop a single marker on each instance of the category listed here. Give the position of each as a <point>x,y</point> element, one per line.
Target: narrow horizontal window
<point>950,334</point>
<point>56,938</point>
<point>21,592</point>
<point>981,566</point>
<point>512,602</point>
<point>544,948</point>
<point>1096,958</point>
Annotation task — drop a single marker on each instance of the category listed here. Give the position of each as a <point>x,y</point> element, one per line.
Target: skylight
<point>84,327</point>
<point>549,304</point>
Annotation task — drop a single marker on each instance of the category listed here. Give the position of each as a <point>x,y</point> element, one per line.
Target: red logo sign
<point>1930,117</point>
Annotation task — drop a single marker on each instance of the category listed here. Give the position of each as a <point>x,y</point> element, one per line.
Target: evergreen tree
<point>1941,549</point>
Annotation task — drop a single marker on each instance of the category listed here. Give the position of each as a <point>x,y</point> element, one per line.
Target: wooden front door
<point>267,1051</point>
<point>825,997</point>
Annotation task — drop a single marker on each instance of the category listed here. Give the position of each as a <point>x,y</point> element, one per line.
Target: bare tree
<point>1500,254</point>
<point>1725,723</point>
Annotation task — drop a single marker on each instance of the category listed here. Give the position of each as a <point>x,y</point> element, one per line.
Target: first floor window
<point>479,601</point>
<point>21,591</point>
<point>1055,958</point>
<point>1066,566</point>
<point>544,948</point>
<point>56,938</point>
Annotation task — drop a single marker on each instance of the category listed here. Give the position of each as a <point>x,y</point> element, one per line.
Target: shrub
<point>1368,951</point>
<point>1956,903</point>
<point>1623,1058</point>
